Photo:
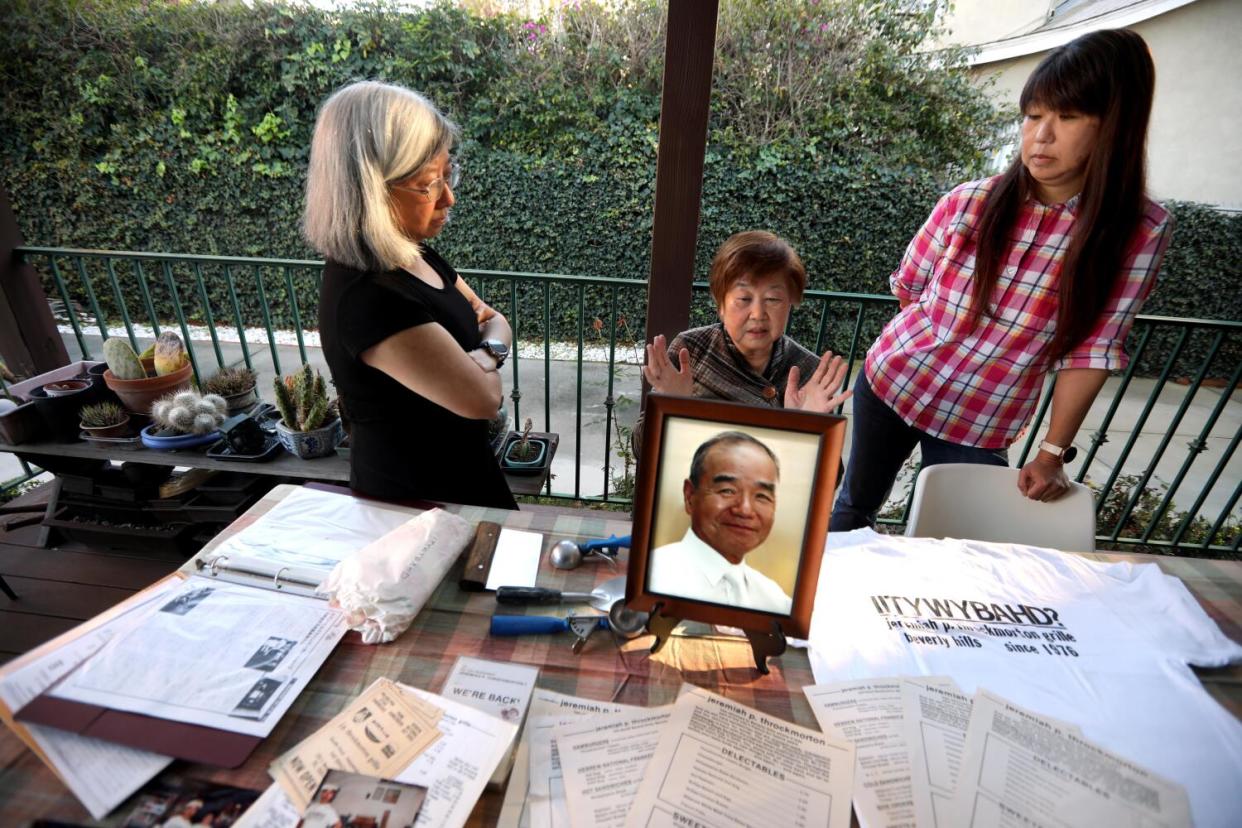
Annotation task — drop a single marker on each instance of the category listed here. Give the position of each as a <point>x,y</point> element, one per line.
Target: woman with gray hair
<point>415,355</point>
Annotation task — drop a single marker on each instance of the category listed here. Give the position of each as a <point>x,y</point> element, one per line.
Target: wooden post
<point>689,53</point>
<point>29,341</point>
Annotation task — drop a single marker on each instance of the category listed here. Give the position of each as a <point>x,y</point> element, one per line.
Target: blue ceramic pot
<point>308,445</point>
<point>180,441</point>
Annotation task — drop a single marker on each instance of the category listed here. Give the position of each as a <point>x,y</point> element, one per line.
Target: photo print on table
<point>346,798</point>
<point>731,511</point>
<point>257,698</point>
<point>187,601</point>
<point>269,655</point>
<point>172,799</point>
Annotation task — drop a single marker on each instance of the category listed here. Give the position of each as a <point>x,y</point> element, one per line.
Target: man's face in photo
<point>733,506</point>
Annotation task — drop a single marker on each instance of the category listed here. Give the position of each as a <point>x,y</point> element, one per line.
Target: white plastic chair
<point>977,502</point>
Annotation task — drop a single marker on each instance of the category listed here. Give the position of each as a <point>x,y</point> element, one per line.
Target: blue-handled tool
<point>580,625</point>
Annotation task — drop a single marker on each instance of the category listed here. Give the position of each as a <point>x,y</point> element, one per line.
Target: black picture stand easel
<point>766,645</point>
<point>763,644</point>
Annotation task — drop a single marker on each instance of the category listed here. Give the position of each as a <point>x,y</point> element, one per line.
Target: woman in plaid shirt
<point>1042,268</point>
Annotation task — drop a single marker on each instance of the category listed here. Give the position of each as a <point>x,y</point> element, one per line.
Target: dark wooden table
<point>456,623</point>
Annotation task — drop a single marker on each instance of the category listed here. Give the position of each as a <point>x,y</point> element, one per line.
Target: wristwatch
<point>497,349</point>
<point>1065,455</point>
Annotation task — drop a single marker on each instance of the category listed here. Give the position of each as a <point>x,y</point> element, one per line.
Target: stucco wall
<point>981,21</point>
<point>1195,141</point>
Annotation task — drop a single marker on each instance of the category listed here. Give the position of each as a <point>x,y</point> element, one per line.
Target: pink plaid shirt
<point>979,388</point>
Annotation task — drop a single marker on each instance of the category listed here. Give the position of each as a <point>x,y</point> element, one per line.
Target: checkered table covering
<point>456,623</point>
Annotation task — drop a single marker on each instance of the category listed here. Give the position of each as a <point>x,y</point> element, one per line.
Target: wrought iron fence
<point>214,300</point>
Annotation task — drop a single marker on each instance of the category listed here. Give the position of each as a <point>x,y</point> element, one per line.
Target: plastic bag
<point>385,584</point>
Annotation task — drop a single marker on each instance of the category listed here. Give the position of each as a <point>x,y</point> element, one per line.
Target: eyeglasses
<point>435,189</point>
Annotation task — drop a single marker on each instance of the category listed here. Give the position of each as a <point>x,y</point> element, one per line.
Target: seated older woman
<point>756,279</point>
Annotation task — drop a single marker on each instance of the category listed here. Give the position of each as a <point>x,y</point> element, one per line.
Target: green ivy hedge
<point>184,127</point>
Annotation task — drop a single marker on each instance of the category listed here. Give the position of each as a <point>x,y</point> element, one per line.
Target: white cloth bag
<point>384,585</point>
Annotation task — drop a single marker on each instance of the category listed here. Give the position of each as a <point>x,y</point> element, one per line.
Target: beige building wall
<point>1194,149</point>
<point>982,21</point>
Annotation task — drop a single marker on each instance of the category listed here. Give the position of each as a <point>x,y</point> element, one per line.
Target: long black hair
<point>1108,74</point>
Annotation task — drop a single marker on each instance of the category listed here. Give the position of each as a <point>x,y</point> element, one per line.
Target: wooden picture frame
<point>803,449</point>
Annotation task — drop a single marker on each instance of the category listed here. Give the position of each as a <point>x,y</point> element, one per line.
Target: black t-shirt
<point>402,445</point>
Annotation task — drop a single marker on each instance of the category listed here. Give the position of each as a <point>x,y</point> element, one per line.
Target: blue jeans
<point>880,444</point>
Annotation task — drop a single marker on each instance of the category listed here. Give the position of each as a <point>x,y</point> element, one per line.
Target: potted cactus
<point>135,385</point>
<point>184,420</point>
<point>309,426</point>
<point>524,454</point>
<point>236,385</point>
<point>105,419</point>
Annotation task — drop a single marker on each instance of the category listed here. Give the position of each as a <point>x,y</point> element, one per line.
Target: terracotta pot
<point>139,394</point>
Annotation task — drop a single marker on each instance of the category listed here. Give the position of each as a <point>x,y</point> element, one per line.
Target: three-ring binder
<point>284,578</point>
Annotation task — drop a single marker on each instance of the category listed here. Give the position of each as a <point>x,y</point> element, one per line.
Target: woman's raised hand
<point>660,373</point>
<point>820,392</point>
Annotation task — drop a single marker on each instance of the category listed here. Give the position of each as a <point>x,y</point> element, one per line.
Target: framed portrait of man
<point>731,511</point>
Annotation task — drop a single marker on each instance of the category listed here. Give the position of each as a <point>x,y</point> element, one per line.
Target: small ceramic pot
<point>120,429</point>
<point>244,401</point>
<point>308,445</point>
<point>95,371</point>
<point>61,413</point>
<point>510,460</point>
<point>152,439</point>
<point>65,388</point>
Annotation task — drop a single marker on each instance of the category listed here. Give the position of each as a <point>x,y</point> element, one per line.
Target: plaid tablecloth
<point>456,623</point>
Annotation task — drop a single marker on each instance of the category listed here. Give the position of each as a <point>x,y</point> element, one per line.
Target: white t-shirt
<point>1104,646</point>
<point>320,815</point>
<point>692,569</point>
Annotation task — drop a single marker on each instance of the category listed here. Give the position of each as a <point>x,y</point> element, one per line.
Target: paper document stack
<point>100,774</point>
<point>193,668</point>
<point>379,734</point>
<point>205,661</point>
<point>214,655</point>
<point>704,760</point>
<point>927,755</point>
<point>454,766</point>
<point>502,690</point>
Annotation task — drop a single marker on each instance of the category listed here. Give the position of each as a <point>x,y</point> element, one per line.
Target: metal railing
<point>561,318</point>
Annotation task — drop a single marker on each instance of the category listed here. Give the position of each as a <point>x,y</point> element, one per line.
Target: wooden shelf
<point>333,468</point>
